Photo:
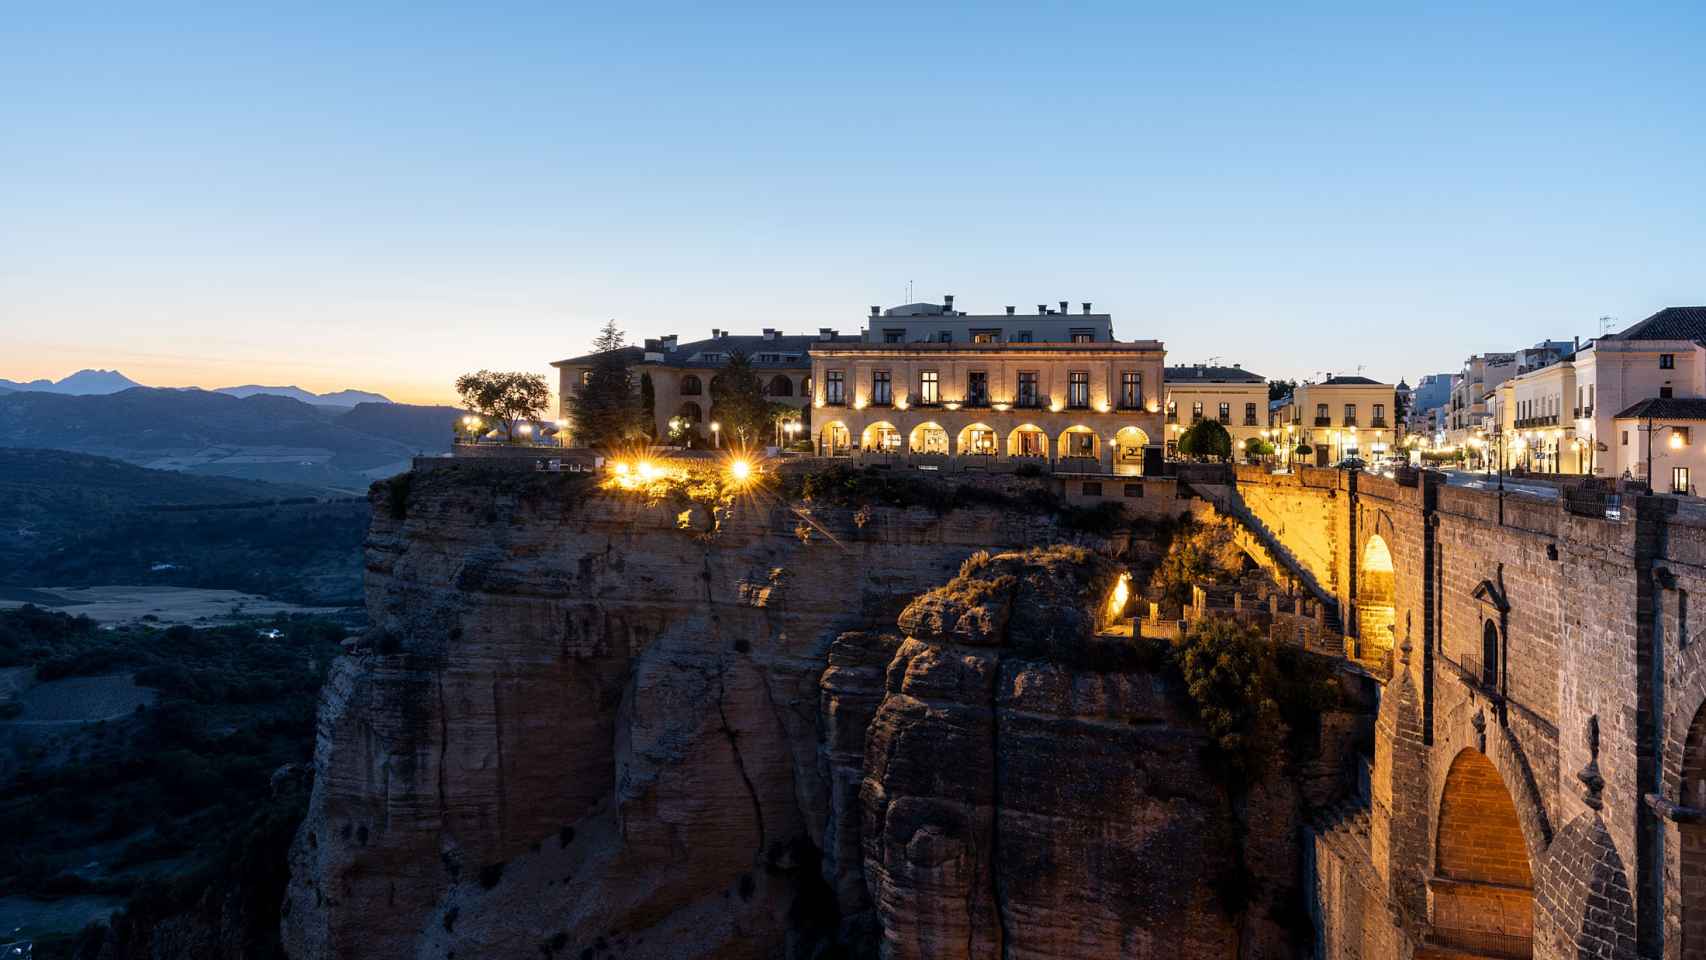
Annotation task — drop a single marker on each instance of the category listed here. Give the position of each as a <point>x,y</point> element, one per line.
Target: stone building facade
<point>1236,397</point>
<point>928,386</point>
<point>1344,416</point>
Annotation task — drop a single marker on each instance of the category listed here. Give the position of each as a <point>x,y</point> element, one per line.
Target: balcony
<point>835,401</point>
<point>1323,421</point>
<point>1250,422</point>
<point>976,402</point>
<point>1172,416</point>
<point>1350,421</point>
<point>1029,403</point>
<point>1225,421</point>
<point>1378,423</point>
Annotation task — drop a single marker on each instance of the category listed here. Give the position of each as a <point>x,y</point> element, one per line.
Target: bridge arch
<point>1481,894</point>
<point>1377,598</point>
<point>1692,793</point>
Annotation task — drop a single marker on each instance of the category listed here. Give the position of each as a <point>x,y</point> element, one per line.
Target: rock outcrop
<point>581,721</point>
<point>597,725</point>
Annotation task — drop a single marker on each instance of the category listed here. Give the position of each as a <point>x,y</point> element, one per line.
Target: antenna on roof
<point>1605,324</point>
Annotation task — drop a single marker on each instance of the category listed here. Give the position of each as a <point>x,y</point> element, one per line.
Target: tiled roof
<point>1350,381</point>
<point>1666,408</point>
<point>1671,323</point>
<point>630,354</point>
<point>1221,374</point>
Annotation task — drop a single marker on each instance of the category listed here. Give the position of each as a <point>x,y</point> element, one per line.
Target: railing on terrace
<point>1378,422</point>
<point>1323,421</point>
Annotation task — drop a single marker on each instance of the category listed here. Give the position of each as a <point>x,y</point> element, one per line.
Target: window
<point>882,390</point>
<point>1625,438</point>
<point>986,336</point>
<point>1172,411</point>
<point>1078,389</point>
<point>1092,488</point>
<point>1196,410</point>
<point>1134,490</point>
<point>1679,480</point>
<point>586,377</point>
<point>1664,393</point>
<point>1081,444</point>
<point>1321,415</point>
<point>1027,396</point>
<point>1225,413</point>
<point>945,336</point>
<point>1249,414</point>
<point>691,387</point>
<point>1350,414</point>
<point>1083,336</point>
<point>977,388</point>
<point>835,388</point>
<point>1131,390</point>
<point>929,387</point>
<point>1023,336</point>
<point>1489,654</point>
<point>893,335</point>
<point>1380,413</point>
<point>1667,361</point>
<point>1679,437</point>
<point>805,386</point>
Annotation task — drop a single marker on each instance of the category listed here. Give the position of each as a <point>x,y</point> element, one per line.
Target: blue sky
<point>383,198</point>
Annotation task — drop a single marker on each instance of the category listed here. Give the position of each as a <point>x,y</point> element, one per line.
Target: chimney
<point>1238,366</point>
<point>769,333</point>
<point>1009,310</point>
<point>825,334</point>
<point>670,341</point>
<point>947,303</point>
<point>1086,308</point>
<point>1063,306</point>
<point>1042,308</point>
<point>876,310</point>
<point>716,333</point>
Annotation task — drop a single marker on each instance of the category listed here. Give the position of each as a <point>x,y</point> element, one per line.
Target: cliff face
<point>583,723</point>
<point>577,722</point>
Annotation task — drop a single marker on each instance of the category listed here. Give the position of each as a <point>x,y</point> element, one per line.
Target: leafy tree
<point>506,399</point>
<point>1230,676</point>
<point>604,411</point>
<point>1257,447</point>
<point>649,403</point>
<point>1280,389</point>
<point>1206,438</point>
<point>737,399</point>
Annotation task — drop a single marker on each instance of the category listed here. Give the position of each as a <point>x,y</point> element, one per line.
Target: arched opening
<point>834,440</point>
<point>691,387</point>
<point>1693,840</point>
<point>1489,654</point>
<point>690,412</point>
<point>1080,442</point>
<point>977,440</point>
<point>1128,451</point>
<point>1481,896</point>
<point>1027,441</point>
<point>930,438</point>
<point>880,437</point>
<point>1376,597</point>
<point>780,386</point>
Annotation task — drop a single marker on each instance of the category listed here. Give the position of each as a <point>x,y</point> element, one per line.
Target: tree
<point>649,403</point>
<point>604,410</point>
<point>505,399</point>
<point>1280,389</point>
<point>1258,447</point>
<point>1206,438</point>
<point>738,402</point>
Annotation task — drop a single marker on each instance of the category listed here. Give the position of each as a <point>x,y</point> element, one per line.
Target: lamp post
<point>1676,443</point>
<point>717,434</point>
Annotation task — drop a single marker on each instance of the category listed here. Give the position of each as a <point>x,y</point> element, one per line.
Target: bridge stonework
<point>1538,779</point>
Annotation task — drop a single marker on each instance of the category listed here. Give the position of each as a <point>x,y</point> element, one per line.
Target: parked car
<point>1352,463</point>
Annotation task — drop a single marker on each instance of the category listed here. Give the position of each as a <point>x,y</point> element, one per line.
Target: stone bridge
<point>1537,785</point>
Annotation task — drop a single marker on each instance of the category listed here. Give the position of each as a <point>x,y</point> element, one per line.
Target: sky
<point>385,197</point>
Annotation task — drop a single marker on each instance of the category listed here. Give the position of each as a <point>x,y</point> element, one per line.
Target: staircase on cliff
<point>1225,498</point>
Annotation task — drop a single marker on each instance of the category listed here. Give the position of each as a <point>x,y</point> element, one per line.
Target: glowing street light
<point>717,433</point>
<point>740,469</point>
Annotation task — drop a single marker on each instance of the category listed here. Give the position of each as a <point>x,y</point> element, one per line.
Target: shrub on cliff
<point>1228,670</point>
<point>1200,553</point>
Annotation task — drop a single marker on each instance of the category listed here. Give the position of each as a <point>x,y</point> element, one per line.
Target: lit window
<point>1078,389</point>
<point>930,387</point>
<point>835,388</point>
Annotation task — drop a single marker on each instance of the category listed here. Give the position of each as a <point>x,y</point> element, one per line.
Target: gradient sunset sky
<point>384,198</point>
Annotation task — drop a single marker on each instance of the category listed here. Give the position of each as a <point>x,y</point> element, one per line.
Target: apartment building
<point>1347,416</point>
<point>1235,397</point>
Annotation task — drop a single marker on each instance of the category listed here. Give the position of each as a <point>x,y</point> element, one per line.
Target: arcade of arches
<point>1024,442</point>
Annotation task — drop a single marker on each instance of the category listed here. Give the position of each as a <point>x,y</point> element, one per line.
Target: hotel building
<point>932,386</point>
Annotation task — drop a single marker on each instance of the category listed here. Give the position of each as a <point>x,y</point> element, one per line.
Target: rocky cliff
<point>596,724</point>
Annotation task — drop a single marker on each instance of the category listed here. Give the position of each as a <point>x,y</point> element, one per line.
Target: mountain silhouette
<point>81,383</point>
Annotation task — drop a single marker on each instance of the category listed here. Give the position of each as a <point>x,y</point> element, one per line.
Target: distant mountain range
<point>260,436</point>
<point>85,383</point>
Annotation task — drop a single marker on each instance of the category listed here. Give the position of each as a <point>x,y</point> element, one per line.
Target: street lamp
<point>716,433</point>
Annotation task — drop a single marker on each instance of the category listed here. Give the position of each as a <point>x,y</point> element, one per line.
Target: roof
<point>1666,408</point>
<point>1671,323</point>
<point>755,346</point>
<point>1221,374</point>
<point>1350,382</point>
